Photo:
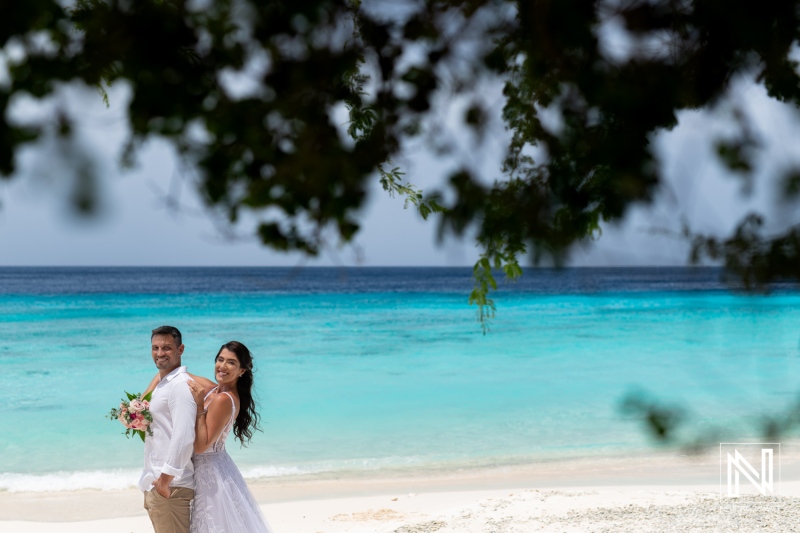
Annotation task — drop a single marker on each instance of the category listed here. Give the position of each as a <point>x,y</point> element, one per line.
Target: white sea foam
<point>64,481</point>
<point>340,465</point>
<point>317,467</point>
<point>258,472</point>
<point>119,479</point>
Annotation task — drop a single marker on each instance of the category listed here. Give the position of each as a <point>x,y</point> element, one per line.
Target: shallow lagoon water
<point>386,369</point>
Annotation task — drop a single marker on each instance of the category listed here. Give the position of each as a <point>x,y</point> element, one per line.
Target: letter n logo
<point>739,466</point>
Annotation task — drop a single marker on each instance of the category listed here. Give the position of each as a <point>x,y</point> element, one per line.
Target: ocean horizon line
<point>360,267</point>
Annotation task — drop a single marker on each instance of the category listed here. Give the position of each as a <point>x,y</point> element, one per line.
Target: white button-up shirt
<point>169,449</point>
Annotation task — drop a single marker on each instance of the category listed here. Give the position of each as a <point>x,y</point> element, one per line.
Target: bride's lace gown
<point>222,501</point>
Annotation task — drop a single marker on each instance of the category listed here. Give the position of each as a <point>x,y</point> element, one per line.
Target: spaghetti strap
<point>231,397</point>
<point>209,394</point>
<point>233,406</point>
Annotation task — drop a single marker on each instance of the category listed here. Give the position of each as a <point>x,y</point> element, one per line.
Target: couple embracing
<point>190,483</point>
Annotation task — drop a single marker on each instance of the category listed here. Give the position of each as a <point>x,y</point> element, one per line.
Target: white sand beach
<point>654,493</point>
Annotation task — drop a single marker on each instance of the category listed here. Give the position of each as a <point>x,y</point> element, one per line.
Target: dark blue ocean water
<point>183,280</point>
<point>371,369</point>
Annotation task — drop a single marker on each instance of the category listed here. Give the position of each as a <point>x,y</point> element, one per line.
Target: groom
<point>168,476</point>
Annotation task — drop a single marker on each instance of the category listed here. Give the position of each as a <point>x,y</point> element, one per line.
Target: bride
<point>222,502</point>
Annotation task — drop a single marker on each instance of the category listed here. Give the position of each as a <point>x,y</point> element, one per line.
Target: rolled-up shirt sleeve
<point>183,410</point>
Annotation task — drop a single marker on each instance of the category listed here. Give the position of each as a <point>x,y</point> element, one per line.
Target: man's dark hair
<point>168,330</point>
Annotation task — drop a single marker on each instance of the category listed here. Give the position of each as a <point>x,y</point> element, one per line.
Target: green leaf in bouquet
<point>148,396</point>
<point>141,434</point>
<point>130,396</point>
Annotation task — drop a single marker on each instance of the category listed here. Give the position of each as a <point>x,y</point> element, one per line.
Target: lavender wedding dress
<point>222,501</point>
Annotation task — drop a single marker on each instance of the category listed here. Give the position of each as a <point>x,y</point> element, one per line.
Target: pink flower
<point>146,405</point>
<point>138,424</point>
<point>136,406</point>
<point>122,418</point>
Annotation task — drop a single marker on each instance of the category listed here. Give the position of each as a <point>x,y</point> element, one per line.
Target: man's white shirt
<point>169,449</point>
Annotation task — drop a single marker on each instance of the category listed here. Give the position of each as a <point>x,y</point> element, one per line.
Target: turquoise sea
<point>371,370</point>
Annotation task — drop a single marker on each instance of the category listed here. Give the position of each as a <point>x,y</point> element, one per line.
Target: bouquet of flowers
<point>134,414</point>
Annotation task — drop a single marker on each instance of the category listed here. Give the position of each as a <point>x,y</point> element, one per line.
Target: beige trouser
<point>169,515</point>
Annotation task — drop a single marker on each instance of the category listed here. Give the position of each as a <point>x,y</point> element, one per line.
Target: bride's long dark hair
<point>247,420</point>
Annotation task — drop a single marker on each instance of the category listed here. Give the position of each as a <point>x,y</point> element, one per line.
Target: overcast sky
<point>136,227</point>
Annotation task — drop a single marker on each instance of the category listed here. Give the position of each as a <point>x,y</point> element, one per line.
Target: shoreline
<point>631,467</point>
<point>547,495</point>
